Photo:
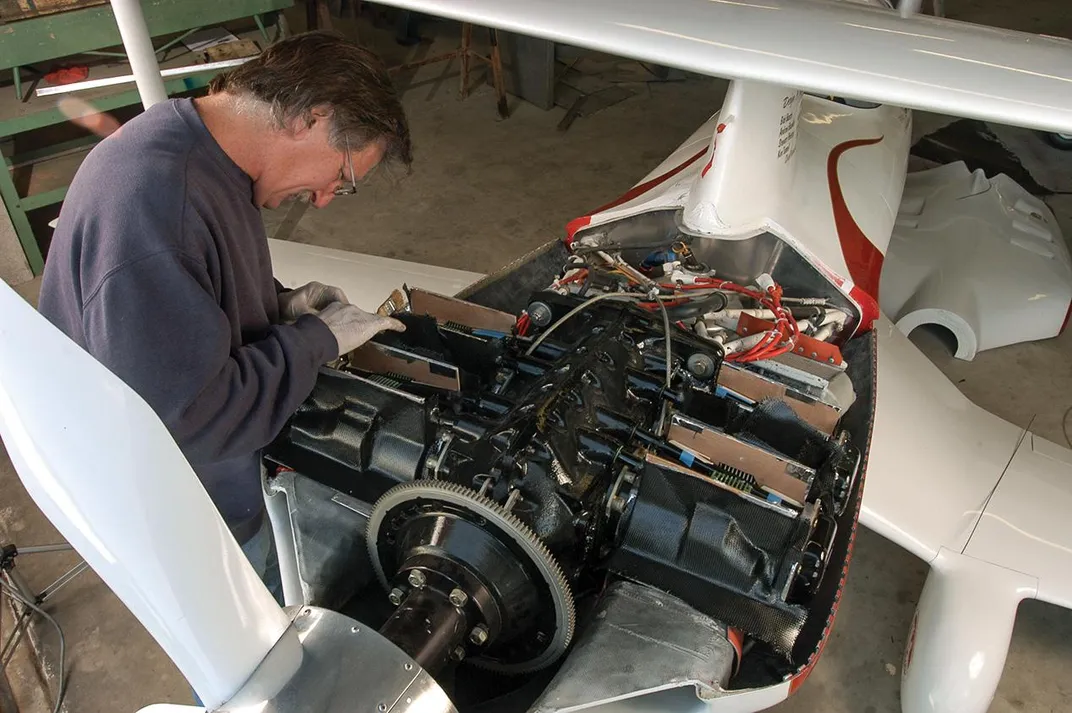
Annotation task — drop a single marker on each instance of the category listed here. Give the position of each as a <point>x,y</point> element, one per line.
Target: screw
<point>382,707</point>
<point>479,635</point>
<point>408,667</point>
<point>458,654</point>
<point>458,598</point>
<point>416,578</point>
<point>396,596</point>
<point>540,314</point>
<point>354,629</point>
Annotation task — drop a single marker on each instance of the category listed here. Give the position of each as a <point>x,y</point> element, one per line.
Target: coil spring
<point>458,327</point>
<point>559,471</point>
<point>735,478</point>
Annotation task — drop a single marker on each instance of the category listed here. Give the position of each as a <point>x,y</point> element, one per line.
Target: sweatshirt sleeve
<point>156,324</point>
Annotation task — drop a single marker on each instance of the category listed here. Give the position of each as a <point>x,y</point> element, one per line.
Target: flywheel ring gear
<point>518,531</point>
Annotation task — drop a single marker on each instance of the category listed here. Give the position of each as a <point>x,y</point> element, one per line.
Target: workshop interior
<point>627,445</point>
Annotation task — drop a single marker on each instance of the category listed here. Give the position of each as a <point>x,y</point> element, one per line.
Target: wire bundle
<point>523,323</point>
<point>776,341</point>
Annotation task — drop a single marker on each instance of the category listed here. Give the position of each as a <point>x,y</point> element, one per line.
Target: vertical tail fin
<point>751,162</point>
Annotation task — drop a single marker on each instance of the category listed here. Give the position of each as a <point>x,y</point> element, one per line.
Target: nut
<point>458,598</point>
<point>479,635</point>
<point>396,596</point>
<point>417,578</point>
<point>458,654</point>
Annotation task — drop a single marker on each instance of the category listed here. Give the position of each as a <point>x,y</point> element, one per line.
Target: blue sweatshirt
<point>159,268</point>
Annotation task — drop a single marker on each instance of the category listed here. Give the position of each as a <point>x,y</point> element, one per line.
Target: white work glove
<point>353,326</point>
<point>307,299</point>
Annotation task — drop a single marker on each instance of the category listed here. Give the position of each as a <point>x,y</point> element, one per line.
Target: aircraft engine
<point>642,428</point>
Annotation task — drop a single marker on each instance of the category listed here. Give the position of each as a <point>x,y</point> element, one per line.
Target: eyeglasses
<point>351,189</point>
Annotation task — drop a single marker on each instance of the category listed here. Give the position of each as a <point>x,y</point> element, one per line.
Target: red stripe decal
<point>711,161</point>
<point>868,309</point>
<point>648,185</point>
<point>574,225</point>
<point>861,256</point>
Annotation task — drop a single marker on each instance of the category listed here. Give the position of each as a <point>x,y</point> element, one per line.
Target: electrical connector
<point>680,277</point>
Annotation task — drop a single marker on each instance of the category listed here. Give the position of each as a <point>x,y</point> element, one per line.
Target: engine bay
<point>618,419</point>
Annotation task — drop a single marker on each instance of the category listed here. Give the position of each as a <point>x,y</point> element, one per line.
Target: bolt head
<point>479,635</point>
<point>417,578</point>
<point>396,596</point>
<point>458,598</point>
<point>458,654</point>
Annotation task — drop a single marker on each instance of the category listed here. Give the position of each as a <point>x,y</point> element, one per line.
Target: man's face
<point>305,166</point>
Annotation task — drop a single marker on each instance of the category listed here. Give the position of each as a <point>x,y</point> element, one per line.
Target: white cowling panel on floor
<point>106,472</point>
<point>981,257</point>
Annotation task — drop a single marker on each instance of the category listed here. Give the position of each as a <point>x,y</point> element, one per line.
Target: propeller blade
<point>103,468</point>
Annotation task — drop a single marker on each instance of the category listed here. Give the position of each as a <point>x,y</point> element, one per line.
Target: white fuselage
<point>823,176</point>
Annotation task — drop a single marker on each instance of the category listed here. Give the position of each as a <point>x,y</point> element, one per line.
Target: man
<point>159,266</point>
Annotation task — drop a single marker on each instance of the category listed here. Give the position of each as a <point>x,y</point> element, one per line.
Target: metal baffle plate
<point>346,667</point>
<point>641,641</point>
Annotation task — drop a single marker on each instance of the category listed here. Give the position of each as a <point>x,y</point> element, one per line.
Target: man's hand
<point>308,299</point>
<point>352,326</point>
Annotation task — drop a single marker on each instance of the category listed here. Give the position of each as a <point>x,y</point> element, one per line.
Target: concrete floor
<point>484,191</point>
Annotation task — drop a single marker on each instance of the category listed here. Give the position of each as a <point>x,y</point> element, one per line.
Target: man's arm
<point>156,324</point>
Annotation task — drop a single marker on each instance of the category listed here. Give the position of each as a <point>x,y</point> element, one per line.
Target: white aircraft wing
<point>367,280</point>
<point>819,46</point>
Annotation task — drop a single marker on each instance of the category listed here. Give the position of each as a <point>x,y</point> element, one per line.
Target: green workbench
<point>89,30</point>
